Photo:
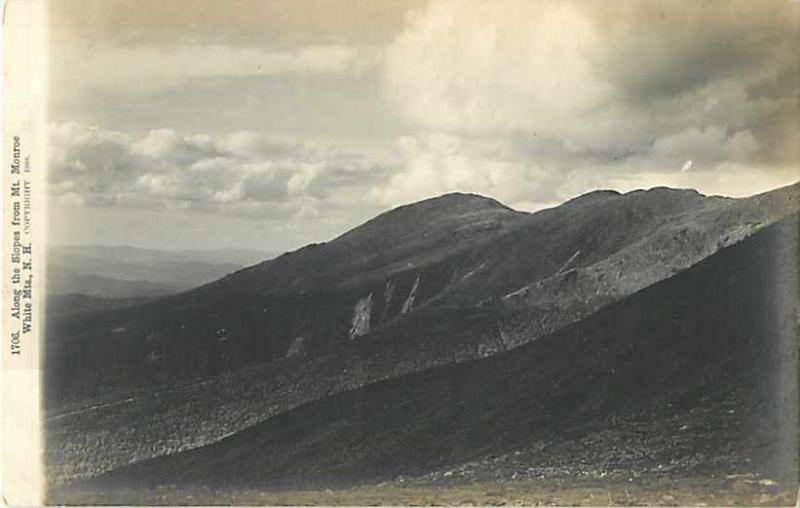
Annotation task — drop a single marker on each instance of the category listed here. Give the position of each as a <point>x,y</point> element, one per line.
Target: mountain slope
<point>455,251</point>
<point>718,340</point>
<point>190,369</point>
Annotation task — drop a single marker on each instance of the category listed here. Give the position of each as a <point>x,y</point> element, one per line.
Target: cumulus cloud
<point>438,163</point>
<point>529,102</point>
<point>241,173</point>
<point>593,94</point>
<point>484,66</point>
<point>704,146</point>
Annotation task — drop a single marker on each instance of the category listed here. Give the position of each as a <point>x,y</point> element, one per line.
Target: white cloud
<point>438,163</point>
<point>567,87</point>
<point>241,174</point>
<point>554,68</point>
<point>478,66</point>
<point>707,146</point>
<point>528,102</point>
<point>165,145</point>
<point>251,144</point>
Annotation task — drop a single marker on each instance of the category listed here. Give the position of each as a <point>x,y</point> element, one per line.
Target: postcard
<point>401,252</point>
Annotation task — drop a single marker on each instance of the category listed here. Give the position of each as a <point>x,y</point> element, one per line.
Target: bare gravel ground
<point>736,490</point>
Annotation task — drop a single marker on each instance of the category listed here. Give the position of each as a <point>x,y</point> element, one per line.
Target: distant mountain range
<point>113,272</point>
<point>442,335</point>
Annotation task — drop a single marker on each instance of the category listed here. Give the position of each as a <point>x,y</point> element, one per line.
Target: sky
<point>267,125</point>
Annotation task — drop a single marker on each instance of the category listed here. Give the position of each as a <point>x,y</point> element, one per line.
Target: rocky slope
<point>457,250</point>
<point>439,282</point>
<point>695,375</point>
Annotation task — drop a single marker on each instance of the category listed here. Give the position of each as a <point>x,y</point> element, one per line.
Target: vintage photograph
<point>421,252</point>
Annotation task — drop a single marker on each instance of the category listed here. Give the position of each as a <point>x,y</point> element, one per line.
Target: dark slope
<point>191,369</point>
<point>420,235</point>
<point>719,338</point>
<point>59,305</point>
<point>417,234</point>
<point>450,252</point>
<point>253,315</point>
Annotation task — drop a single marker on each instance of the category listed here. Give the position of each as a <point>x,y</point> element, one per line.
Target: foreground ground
<point>733,490</point>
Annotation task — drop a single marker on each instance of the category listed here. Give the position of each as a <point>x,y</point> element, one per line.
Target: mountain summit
<point>435,283</point>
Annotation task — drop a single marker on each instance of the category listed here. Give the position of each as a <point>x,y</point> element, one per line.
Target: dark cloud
<point>624,93</point>
<point>655,49</point>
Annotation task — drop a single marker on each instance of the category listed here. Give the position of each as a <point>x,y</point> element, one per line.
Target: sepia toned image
<point>420,252</point>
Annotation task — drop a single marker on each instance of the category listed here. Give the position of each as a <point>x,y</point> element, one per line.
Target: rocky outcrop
<point>408,305</point>
<point>298,348</point>
<point>388,295</point>
<point>361,316</point>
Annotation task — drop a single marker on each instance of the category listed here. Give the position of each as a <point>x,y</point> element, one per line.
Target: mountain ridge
<point>333,318</point>
<point>464,266</point>
<point>511,406</point>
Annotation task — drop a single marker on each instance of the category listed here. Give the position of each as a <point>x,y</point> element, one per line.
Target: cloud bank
<point>243,173</point>
<point>597,93</point>
<point>529,102</point>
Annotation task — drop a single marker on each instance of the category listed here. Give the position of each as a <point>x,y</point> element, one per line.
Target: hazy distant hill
<point>128,272</point>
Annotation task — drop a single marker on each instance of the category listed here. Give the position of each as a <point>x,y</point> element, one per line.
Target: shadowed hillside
<point>707,359</point>
<point>444,281</point>
<point>453,251</point>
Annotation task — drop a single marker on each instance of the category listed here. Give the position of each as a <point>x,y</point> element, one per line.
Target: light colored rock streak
<point>408,305</point>
<point>361,313</point>
<point>388,294</point>
<point>569,261</point>
<point>296,348</point>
